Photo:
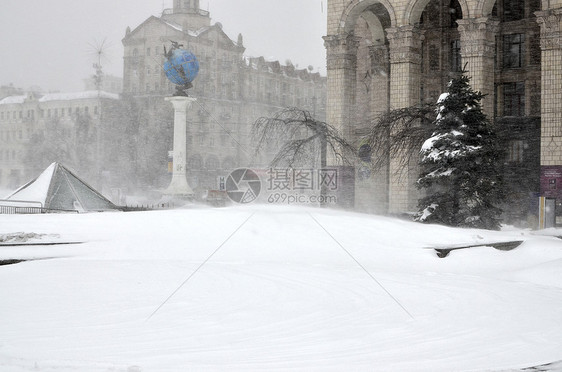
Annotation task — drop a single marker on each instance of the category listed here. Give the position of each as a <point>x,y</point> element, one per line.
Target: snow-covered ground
<point>280,289</point>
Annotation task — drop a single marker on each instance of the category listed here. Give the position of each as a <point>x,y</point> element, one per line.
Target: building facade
<point>232,90</point>
<point>389,54</point>
<point>107,83</point>
<point>36,129</point>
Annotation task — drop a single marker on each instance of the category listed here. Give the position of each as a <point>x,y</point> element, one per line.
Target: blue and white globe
<point>181,67</point>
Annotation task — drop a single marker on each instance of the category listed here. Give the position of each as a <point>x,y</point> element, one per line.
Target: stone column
<point>478,49</point>
<point>405,70</point>
<point>551,86</point>
<point>178,185</point>
<point>342,81</point>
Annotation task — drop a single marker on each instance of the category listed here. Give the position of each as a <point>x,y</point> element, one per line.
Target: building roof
<point>90,94</point>
<point>275,67</point>
<point>179,28</point>
<point>13,100</point>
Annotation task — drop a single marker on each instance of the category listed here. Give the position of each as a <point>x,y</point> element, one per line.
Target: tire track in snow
<point>362,267</point>
<point>199,267</point>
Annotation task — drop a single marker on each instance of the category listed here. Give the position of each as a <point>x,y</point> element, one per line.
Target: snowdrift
<point>263,289</point>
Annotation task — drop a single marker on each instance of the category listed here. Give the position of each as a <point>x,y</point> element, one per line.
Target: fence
<point>26,207</point>
<point>6,209</point>
<point>20,207</point>
<point>146,207</point>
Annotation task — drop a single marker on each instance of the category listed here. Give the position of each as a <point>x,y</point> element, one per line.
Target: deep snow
<point>280,292</point>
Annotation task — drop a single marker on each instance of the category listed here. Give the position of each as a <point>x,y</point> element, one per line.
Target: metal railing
<point>146,207</point>
<point>8,209</point>
<point>27,207</point>
<point>20,207</point>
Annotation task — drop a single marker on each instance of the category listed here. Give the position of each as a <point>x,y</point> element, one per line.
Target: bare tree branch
<point>301,139</point>
<point>399,134</point>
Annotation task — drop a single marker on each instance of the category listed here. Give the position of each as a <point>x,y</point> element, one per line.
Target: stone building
<point>388,54</point>
<point>108,83</point>
<point>232,90</point>
<point>30,123</point>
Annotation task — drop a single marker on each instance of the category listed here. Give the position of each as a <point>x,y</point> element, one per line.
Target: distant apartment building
<point>27,121</point>
<point>107,83</point>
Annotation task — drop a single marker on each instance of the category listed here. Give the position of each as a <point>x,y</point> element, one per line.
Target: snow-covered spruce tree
<point>460,165</point>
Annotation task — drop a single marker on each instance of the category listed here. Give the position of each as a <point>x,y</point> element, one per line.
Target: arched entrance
<point>358,84</point>
<point>416,8</point>
<point>358,61</point>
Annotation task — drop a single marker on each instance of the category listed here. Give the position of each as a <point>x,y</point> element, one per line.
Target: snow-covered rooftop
<point>89,94</point>
<point>173,25</point>
<point>13,100</point>
<point>178,27</point>
<point>198,32</point>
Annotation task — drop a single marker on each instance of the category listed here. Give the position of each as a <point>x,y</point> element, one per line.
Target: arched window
<point>455,11</point>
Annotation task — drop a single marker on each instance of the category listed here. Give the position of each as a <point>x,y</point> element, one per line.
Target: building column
<point>551,86</point>
<point>478,50</point>
<point>405,70</point>
<point>342,81</point>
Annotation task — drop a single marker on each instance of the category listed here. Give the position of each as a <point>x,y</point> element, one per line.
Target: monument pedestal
<point>179,186</point>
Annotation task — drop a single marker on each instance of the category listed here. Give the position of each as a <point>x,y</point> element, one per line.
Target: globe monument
<point>181,68</point>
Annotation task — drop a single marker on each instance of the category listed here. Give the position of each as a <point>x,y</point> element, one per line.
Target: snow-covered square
<point>265,288</point>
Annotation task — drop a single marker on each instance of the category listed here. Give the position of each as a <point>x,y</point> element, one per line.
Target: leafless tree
<point>399,134</point>
<point>301,139</point>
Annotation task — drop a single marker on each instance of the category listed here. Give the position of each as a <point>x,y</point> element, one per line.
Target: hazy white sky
<point>51,43</point>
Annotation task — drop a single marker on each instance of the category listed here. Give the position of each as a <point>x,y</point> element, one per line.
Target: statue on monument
<point>181,68</point>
